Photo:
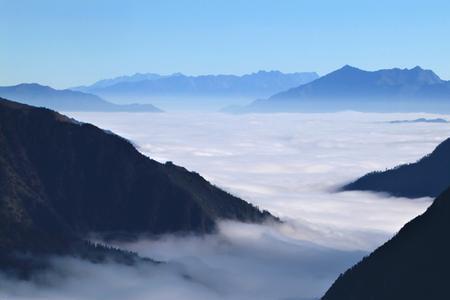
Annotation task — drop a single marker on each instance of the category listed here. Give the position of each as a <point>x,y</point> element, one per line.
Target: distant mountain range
<point>66,100</point>
<point>350,88</point>
<point>426,178</point>
<point>420,120</point>
<point>62,180</point>
<point>192,90</point>
<point>413,265</point>
<point>121,79</point>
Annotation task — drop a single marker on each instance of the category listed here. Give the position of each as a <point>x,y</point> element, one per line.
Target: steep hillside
<point>413,265</point>
<point>426,178</point>
<point>62,180</point>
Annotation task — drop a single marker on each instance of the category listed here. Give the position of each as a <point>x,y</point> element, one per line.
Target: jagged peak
<point>427,74</point>
<point>349,67</point>
<point>418,68</point>
<point>268,72</point>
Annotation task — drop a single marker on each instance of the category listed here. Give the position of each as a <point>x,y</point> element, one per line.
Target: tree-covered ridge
<point>414,264</point>
<point>427,177</point>
<point>62,180</point>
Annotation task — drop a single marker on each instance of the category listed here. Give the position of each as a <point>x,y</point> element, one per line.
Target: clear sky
<point>63,43</point>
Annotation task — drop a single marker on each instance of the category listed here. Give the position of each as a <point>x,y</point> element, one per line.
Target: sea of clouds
<point>290,164</point>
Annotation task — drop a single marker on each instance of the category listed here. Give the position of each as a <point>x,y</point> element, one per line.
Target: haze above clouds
<point>72,45</point>
<point>289,164</point>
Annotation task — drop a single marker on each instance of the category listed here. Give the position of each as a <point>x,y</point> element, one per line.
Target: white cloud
<point>287,163</point>
<point>242,261</point>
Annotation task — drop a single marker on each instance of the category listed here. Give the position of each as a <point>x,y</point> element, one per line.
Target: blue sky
<point>73,42</point>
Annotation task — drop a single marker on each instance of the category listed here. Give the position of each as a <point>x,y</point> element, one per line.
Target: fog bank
<point>289,164</point>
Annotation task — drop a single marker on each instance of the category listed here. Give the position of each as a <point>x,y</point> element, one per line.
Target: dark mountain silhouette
<point>260,84</point>
<point>350,88</point>
<point>66,100</point>
<point>62,180</point>
<point>426,178</point>
<point>413,265</point>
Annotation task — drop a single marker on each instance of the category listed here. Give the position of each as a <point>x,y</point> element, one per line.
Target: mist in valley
<point>290,164</point>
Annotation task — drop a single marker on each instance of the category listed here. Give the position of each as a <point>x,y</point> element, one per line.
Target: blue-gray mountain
<point>426,178</point>
<point>145,86</point>
<point>112,81</point>
<point>66,100</point>
<point>350,88</point>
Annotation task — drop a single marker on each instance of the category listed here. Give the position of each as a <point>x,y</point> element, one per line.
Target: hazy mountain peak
<point>268,72</point>
<point>346,70</point>
<point>195,88</point>
<point>349,68</point>
<point>415,76</point>
<point>417,73</point>
<point>124,78</point>
<point>351,88</point>
<point>65,100</point>
<point>32,85</point>
<point>426,75</point>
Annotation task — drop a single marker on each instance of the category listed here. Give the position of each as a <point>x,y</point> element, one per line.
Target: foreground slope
<point>61,180</point>
<point>413,265</point>
<point>350,88</point>
<point>66,100</point>
<point>426,178</point>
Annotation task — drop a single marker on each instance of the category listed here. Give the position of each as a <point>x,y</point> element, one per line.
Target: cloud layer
<point>287,163</point>
<point>291,163</point>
